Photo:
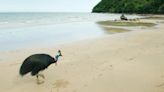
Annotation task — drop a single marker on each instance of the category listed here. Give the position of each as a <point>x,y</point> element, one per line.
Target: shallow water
<point>24,30</point>
<point>48,35</point>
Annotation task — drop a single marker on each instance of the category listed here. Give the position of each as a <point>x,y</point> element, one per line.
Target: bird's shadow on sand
<point>40,82</point>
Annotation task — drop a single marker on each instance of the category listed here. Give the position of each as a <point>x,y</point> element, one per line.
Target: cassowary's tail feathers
<point>26,67</point>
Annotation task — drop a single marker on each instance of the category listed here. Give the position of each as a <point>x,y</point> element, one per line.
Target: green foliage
<point>130,6</point>
<point>161,9</point>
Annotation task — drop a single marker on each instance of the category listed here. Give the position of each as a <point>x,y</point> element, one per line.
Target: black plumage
<point>37,62</point>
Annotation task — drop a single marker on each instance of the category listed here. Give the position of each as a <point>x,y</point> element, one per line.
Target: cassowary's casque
<point>37,62</point>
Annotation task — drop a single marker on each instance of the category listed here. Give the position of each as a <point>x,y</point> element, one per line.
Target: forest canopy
<point>130,6</point>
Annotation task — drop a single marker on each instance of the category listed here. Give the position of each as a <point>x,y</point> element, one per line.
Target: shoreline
<point>128,62</point>
<point>24,43</point>
<point>27,36</point>
<point>131,29</point>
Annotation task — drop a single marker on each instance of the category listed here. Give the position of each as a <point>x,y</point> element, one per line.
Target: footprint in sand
<point>160,85</point>
<point>100,75</point>
<point>162,76</point>
<point>131,59</point>
<point>60,84</point>
<point>85,85</point>
<point>110,67</point>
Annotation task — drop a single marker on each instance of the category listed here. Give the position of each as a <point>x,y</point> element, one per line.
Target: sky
<point>47,5</point>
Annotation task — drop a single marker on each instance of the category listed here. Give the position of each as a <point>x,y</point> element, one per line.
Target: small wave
<point>10,20</point>
<point>2,23</point>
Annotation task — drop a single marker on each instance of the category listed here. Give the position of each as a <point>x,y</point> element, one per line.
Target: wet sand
<point>124,62</point>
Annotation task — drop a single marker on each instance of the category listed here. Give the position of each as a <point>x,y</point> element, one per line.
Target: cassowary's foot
<point>41,75</point>
<point>39,81</point>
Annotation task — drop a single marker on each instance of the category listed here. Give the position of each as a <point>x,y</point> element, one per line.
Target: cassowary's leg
<point>38,81</point>
<point>37,76</point>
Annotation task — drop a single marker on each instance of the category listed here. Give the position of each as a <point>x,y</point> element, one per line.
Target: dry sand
<point>124,62</point>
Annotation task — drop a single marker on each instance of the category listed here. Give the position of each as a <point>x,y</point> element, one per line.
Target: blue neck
<point>56,57</point>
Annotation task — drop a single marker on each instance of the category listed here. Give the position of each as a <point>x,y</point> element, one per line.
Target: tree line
<point>130,6</point>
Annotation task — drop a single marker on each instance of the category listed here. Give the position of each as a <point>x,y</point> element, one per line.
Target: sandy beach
<point>124,62</point>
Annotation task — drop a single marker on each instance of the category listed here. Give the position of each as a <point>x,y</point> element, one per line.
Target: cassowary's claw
<point>41,75</point>
<point>39,82</point>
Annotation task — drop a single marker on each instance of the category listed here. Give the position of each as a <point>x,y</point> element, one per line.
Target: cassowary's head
<point>57,56</point>
<point>59,53</point>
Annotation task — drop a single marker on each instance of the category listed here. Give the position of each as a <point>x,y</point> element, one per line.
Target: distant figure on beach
<point>122,17</point>
<point>36,63</point>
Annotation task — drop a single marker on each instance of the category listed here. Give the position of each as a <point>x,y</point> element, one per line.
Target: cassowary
<point>38,62</point>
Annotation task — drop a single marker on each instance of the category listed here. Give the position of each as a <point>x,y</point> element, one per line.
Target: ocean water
<point>27,30</point>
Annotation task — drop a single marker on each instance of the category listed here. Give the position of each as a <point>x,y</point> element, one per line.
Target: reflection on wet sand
<point>112,30</point>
